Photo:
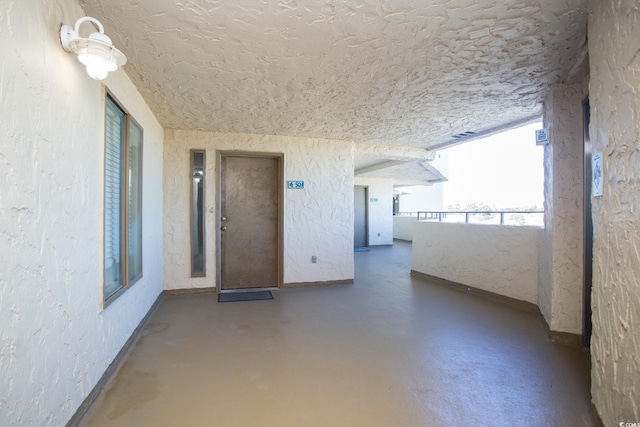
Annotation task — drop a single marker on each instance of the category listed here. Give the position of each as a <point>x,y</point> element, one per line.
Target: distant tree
<point>479,207</point>
<point>518,219</point>
<point>472,207</point>
<point>525,208</point>
<point>483,207</point>
<point>475,207</point>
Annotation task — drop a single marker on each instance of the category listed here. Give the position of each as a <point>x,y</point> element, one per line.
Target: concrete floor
<point>391,350</point>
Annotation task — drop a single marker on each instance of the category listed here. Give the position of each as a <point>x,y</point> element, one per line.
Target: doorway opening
<point>360,217</point>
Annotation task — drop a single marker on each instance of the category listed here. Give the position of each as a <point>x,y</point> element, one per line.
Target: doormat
<point>360,249</point>
<point>244,296</point>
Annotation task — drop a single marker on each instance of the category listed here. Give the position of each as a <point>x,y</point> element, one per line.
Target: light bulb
<point>97,70</point>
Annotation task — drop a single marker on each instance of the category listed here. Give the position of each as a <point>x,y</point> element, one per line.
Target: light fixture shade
<point>97,66</point>
<point>96,52</point>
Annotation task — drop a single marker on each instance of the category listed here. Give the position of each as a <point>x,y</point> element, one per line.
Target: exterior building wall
<point>56,340</point>
<point>380,208</point>
<point>318,220</point>
<point>561,245</point>
<point>501,259</point>
<point>423,198</point>
<point>614,31</point>
<point>403,227</point>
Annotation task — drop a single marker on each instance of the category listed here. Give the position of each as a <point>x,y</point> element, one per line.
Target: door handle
<point>223,228</point>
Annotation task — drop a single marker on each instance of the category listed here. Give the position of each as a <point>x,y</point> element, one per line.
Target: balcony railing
<point>480,217</point>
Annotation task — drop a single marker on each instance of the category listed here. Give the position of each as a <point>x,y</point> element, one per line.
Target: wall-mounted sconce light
<point>96,52</point>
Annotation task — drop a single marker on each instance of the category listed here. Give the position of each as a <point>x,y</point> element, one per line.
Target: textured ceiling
<point>404,72</point>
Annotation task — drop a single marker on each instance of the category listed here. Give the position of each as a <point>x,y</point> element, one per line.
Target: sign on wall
<point>296,185</point>
<point>597,174</point>
<point>541,137</point>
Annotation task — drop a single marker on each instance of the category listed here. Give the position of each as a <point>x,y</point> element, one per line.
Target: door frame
<point>588,226</point>
<point>218,212</point>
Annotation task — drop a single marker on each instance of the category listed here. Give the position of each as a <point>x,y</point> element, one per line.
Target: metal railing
<point>516,217</point>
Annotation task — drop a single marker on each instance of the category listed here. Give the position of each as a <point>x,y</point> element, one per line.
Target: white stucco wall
<point>423,198</point>
<point>562,244</point>
<point>614,31</point>
<point>497,258</point>
<point>403,227</point>
<point>317,220</point>
<point>380,209</point>
<point>55,339</point>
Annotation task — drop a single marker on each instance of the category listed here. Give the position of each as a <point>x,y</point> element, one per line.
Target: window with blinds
<point>122,201</point>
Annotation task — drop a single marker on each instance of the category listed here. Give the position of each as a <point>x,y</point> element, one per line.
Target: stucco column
<point>614,31</point>
<point>561,246</point>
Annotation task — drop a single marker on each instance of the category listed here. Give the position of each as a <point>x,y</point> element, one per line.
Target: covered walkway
<point>390,350</point>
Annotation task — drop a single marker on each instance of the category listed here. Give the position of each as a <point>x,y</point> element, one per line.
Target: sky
<point>504,170</point>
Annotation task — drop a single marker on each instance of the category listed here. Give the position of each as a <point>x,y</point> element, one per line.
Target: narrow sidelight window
<point>122,201</point>
<point>198,263</point>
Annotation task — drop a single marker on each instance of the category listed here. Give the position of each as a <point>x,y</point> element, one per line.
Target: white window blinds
<point>114,141</point>
<point>122,200</point>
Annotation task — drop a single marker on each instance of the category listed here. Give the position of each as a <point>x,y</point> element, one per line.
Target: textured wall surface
<point>561,245</point>
<point>317,220</point>
<point>55,341</point>
<point>403,227</point>
<point>413,72</point>
<point>380,208</point>
<point>614,32</point>
<point>496,258</point>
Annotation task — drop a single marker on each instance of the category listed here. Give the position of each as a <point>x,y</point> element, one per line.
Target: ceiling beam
<point>378,167</point>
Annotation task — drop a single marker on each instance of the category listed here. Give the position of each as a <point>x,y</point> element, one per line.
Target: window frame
<point>124,200</point>
<point>192,202</point>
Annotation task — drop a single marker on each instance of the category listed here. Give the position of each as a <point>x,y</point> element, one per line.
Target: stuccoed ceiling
<point>402,72</point>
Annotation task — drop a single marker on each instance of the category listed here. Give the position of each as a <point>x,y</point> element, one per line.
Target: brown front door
<point>249,222</point>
